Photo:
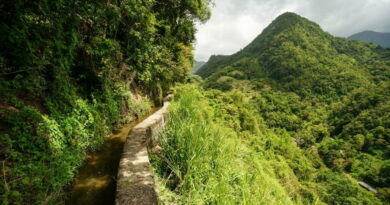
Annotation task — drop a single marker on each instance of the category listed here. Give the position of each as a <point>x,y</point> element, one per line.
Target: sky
<point>235,23</point>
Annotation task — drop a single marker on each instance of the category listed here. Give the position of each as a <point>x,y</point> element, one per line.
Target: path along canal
<point>95,182</point>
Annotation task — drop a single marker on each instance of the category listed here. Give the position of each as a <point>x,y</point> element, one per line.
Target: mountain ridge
<point>328,93</point>
<point>379,38</point>
<point>301,57</point>
<point>284,22</point>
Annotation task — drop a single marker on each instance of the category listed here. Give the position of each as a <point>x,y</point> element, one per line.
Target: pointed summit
<point>298,55</point>
<point>288,27</point>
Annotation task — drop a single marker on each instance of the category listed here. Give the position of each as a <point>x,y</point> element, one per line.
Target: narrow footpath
<point>135,182</point>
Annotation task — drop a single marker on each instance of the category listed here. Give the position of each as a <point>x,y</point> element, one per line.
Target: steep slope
<point>257,46</point>
<point>216,62</point>
<point>327,95</point>
<point>382,39</point>
<point>301,57</point>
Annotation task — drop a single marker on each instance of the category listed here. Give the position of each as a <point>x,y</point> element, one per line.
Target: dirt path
<point>96,181</point>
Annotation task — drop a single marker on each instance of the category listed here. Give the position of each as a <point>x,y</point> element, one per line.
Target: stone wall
<point>135,183</point>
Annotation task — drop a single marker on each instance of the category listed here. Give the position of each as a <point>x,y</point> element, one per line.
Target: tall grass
<point>205,162</point>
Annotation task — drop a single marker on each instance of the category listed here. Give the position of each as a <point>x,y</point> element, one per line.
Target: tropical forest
<point>297,116</point>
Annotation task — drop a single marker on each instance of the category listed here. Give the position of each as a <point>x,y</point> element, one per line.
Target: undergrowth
<point>41,152</point>
<point>217,150</point>
<point>204,161</point>
<point>73,71</point>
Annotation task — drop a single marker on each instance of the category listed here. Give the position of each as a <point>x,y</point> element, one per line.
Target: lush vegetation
<point>310,110</point>
<point>206,162</point>
<point>296,117</point>
<point>71,72</point>
<point>220,150</point>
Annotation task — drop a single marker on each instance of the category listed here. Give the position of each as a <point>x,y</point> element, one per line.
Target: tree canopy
<point>72,71</point>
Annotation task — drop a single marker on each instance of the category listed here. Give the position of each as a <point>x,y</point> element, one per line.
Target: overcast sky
<point>235,23</point>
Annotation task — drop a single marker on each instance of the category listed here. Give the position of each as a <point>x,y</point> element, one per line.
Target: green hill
<point>316,102</point>
<point>382,39</point>
<point>300,57</point>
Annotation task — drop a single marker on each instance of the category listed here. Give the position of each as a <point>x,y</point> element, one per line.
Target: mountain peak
<point>289,15</point>
<point>289,19</point>
<point>288,26</point>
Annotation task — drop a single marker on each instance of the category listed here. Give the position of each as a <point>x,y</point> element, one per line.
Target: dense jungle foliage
<point>296,117</point>
<point>73,71</point>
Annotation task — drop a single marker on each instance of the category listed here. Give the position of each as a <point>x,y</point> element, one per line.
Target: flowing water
<point>96,180</point>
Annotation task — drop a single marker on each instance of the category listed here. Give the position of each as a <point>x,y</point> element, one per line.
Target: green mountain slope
<point>382,39</point>
<point>327,95</point>
<point>302,58</point>
<point>236,147</point>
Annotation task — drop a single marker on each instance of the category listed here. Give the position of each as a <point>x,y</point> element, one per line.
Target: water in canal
<point>95,182</point>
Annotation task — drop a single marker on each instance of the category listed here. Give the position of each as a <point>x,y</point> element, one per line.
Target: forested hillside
<point>73,71</point>
<point>296,117</point>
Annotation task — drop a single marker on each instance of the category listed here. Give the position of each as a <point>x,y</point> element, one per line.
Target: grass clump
<point>218,149</point>
<point>204,162</point>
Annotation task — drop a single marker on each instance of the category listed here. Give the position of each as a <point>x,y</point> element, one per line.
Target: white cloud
<point>235,23</point>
